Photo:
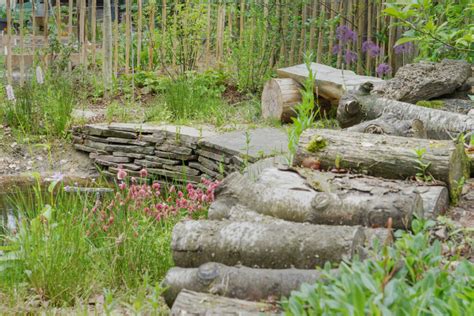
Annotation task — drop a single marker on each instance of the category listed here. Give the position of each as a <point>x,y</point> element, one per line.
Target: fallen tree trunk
<point>263,245</point>
<point>236,282</point>
<point>279,97</point>
<point>384,156</point>
<point>320,198</point>
<point>193,303</point>
<point>391,125</point>
<point>356,107</point>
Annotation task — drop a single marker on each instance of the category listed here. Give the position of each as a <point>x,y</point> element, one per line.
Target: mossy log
<point>193,303</point>
<point>320,198</point>
<point>355,107</point>
<point>275,246</point>
<point>390,157</point>
<point>236,282</point>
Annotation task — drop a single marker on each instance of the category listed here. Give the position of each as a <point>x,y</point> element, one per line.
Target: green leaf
<point>404,40</point>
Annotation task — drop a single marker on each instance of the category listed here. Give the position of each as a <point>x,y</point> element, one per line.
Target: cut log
<point>279,245</point>
<point>201,304</point>
<point>390,157</point>
<point>279,98</point>
<point>425,80</point>
<point>330,83</point>
<point>236,282</point>
<point>358,106</point>
<point>240,213</point>
<point>388,124</point>
<point>320,198</point>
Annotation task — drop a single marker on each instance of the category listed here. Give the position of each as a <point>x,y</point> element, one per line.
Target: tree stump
<point>279,97</point>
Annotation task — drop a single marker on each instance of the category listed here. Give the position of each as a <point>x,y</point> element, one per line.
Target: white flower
<point>10,93</point>
<point>39,75</point>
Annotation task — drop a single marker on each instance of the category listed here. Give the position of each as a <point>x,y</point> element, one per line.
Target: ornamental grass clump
<point>69,247</point>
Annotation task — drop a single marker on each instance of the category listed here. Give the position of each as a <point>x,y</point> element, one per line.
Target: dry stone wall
<point>177,153</point>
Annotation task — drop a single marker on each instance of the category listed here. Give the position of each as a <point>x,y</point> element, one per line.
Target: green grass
<point>69,247</point>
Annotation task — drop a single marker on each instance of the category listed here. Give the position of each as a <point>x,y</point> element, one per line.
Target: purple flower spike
<point>371,48</point>
<point>350,56</point>
<point>403,48</point>
<point>345,34</point>
<point>336,49</point>
<point>383,69</point>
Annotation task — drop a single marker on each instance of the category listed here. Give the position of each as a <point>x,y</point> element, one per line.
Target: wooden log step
<point>385,156</point>
<point>236,282</point>
<point>202,304</point>
<point>320,198</point>
<point>278,245</point>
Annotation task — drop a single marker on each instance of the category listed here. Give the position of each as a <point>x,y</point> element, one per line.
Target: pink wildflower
<point>143,173</point>
<point>121,174</point>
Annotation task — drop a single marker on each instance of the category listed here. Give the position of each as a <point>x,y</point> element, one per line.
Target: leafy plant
<point>409,278</point>
<point>422,166</point>
<point>306,111</point>
<point>441,29</point>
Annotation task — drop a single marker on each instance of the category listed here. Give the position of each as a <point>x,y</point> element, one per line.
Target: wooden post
<point>139,34</point>
<point>208,34</point>
<point>94,30</point>
<point>284,31</point>
<point>151,27</point>
<point>293,42</point>
<point>107,46</point>
<point>368,61</point>
<point>174,35</point>
<point>302,47</point>
<point>116,36</point>
<point>331,28</point>
<point>341,23</point>
<point>9,44</point>
<point>46,20</point>
<point>82,31</point>
<point>242,21</point>
<point>321,35</point>
<point>127,36</point>
<point>22,45</point>
<point>58,18</point>
<point>33,26</point>
<point>377,31</point>
<point>360,31</point>
<point>312,29</point>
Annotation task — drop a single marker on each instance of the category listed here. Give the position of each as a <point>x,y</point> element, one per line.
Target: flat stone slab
<point>331,82</point>
<point>153,128</point>
<point>257,143</point>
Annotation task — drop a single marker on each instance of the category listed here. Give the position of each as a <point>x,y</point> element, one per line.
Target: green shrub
<point>409,278</point>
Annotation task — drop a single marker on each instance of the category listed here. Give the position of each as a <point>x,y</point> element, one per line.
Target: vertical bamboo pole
<point>58,18</point>
<point>319,54</point>
<point>46,20</point>
<point>274,33</point>
<point>361,11</point>
<point>331,29</point>
<point>33,28</point>
<point>139,34</point>
<point>151,27</point>
<point>107,46</point>
<point>284,31</point>
<point>175,27</point>
<point>377,31</point>
<point>351,17</point>
<point>302,47</point>
<point>94,30</point>
<point>312,29</point>
<point>22,45</point>
<point>242,21</point>
<point>69,21</point>
<point>9,44</point>
<point>208,34</point>
<point>341,23</point>
<point>294,30</point>
<point>265,35</point>
<point>391,43</point>
<point>116,36</point>
<point>368,59</point>
<point>127,36</point>
<point>82,31</point>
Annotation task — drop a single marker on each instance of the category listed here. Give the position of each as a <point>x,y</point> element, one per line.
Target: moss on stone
<point>435,104</point>
<point>316,144</point>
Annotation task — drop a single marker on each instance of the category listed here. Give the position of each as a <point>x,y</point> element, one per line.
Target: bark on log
<point>236,282</point>
<point>201,304</point>
<point>390,125</point>
<point>359,106</point>
<point>384,156</point>
<point>425,80</point>
<point>279,98</point>
<point>320,198</point>
<point>279,245</point>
